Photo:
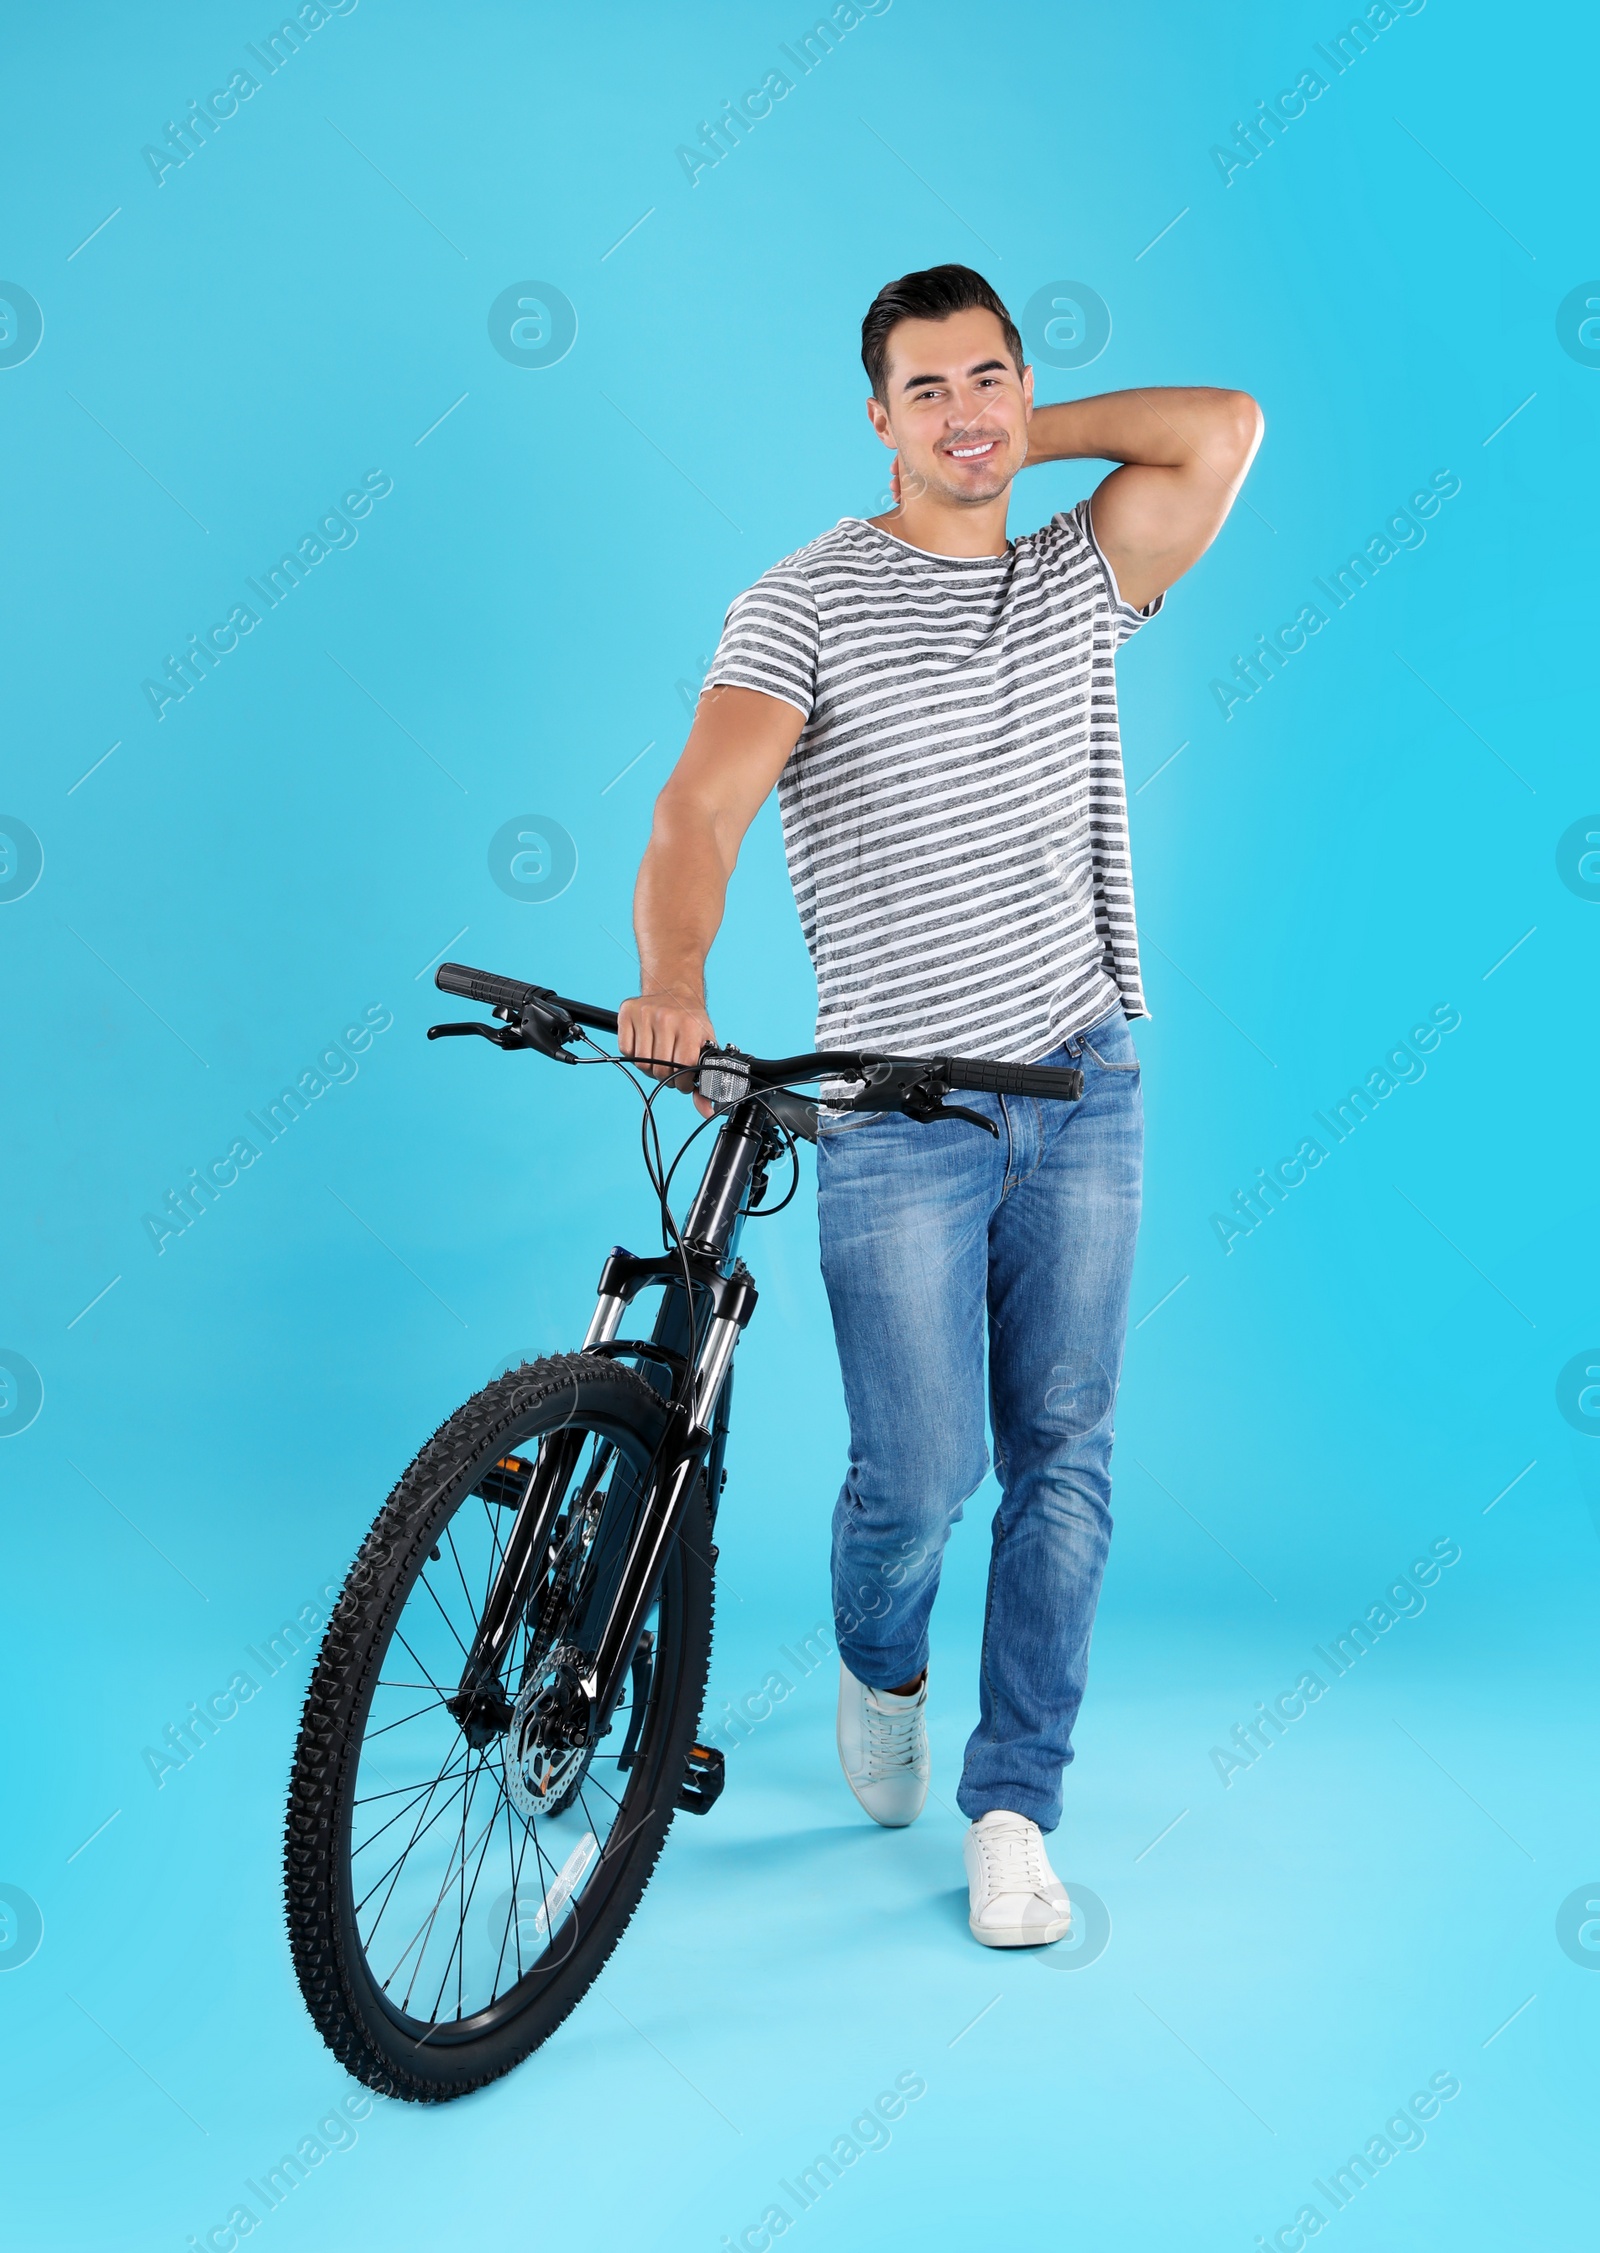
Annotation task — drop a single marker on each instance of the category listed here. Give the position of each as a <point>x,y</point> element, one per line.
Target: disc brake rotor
<point>542,1767</point>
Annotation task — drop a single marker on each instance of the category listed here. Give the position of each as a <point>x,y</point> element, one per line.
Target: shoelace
<point>1013,1859</point>
<point>891,1737</point>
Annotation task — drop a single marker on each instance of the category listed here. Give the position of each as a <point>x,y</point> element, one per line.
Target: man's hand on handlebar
<point>669,1025</point>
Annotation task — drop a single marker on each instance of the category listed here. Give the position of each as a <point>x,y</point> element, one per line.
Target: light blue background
<point>525,612</point>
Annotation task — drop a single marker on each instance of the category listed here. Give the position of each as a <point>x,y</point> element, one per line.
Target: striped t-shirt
<point>953,813</point>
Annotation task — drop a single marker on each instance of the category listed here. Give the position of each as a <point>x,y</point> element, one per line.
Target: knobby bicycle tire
<point>391,2052</point>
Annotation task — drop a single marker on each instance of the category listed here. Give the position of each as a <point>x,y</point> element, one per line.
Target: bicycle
<point>458,1870</point>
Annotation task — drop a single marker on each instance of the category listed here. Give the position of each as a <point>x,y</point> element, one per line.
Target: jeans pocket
<point>832,1130</point>
<point>1117,1052</point>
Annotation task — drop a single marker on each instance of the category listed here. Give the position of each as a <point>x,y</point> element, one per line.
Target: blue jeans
<point>935,1238</point>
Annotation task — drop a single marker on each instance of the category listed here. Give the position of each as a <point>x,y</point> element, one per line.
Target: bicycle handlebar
<point>740,1074</point>
<point>510,993</point>
<point>977,1075</point>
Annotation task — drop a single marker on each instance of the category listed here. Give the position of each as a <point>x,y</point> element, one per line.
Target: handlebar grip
<point>484,986</point>
<point>513,993</point>
<point>1047,1082</point>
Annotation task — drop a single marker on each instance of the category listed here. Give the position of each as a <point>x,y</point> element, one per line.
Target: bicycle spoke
<point>449,1534</point>
<point>425,1929</point>
<point>418,1833</point>
<point>426,1926</point>
<point>417,1663</point>
<point>399,1816</point>
<point>396,1791</point>
<point>459,1862</point>
<point>513,1931</point>
<point>594,1827</point>
<point>427,1586</point>
<point>497,1550</point>
<point>432,1706</point>
<point>392,1873</point>
<point>592,1778</point>
<point>459,1950</point>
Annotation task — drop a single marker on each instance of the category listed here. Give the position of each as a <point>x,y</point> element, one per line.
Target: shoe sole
<point>904,1822</point>
<point>1019,1936</point>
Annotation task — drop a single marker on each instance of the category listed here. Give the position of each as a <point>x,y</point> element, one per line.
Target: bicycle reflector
<point>722,1076</point>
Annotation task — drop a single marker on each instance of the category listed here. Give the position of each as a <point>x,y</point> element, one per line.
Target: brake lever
<point>500,1037</point>
<point>516,1034</point>
<point>956,1111</point>
<point>916,1094</point>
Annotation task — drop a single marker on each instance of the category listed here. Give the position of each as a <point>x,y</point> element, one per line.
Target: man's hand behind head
<point>668,1028</point>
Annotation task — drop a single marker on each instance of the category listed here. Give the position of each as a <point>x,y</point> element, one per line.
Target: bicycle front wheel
<point>453,1886</point>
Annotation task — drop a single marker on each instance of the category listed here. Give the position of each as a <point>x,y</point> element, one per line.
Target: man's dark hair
<point>932,295</point>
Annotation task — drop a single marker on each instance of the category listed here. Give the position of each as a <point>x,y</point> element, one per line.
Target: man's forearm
<point>677,910</point>
<point>1164,428</point>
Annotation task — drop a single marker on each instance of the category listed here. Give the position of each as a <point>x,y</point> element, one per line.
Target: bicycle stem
<point>734,1155</point>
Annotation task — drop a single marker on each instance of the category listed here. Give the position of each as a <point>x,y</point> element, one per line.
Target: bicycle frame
<point>696,1427</point>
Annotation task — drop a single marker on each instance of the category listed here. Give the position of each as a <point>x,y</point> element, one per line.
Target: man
<point>936,705</point>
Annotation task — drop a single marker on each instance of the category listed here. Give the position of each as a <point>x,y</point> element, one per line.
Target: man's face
<point>957,408</point>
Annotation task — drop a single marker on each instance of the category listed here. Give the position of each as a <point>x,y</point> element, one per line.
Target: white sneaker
<point>883,1749</point>
<point>1016,1899</point>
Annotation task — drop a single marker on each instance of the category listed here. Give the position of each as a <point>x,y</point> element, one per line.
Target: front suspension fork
<point>479,1703</point>
<point>717,1282</point>
<point>679,1460</point>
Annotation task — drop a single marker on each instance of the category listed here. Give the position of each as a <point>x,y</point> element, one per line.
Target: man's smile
<point>971,449</point>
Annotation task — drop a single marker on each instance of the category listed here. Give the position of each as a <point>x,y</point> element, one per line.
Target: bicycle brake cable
<point>792,1149</point>
<point>661,1182</point>
<point>671,1236</point>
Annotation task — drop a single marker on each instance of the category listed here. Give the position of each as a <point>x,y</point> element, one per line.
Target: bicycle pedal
<point>703,1778</point>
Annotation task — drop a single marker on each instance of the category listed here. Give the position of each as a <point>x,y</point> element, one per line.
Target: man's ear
<point>1027,389</point>
<point>878,416</point>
